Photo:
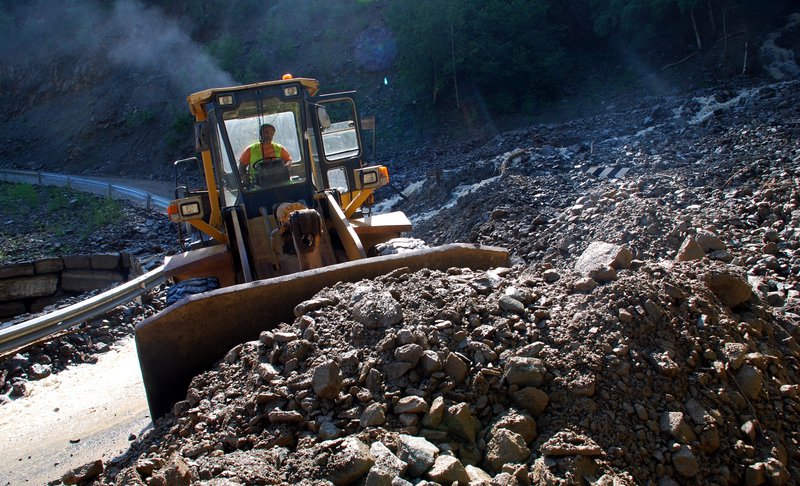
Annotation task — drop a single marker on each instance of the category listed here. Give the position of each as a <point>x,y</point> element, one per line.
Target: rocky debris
<point>32,237</point>
<point>690,250</point>
<point>675,371</point>
<point>731,289</point>
<point>600,261</point>
<point>83,474</point>
<point>656,396</point>
<point>140,234</point>
<point>81,344</point>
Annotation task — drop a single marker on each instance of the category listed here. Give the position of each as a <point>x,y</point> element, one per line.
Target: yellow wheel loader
<point>285,211</point>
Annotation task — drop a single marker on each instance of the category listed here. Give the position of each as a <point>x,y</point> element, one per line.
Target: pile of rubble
<point>618,372</point>
<point>646,333</point>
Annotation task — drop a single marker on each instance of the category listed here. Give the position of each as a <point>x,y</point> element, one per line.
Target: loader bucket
<point>188,337</point>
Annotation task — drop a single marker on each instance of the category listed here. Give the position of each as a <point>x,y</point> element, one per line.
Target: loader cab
<point>252,194</point>
<point>235,120</point>
<point>321,134</point>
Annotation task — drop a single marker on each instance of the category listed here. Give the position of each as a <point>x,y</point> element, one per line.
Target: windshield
<point>242,127</point>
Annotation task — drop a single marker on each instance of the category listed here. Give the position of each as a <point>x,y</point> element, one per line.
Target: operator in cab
<point>263,151</point>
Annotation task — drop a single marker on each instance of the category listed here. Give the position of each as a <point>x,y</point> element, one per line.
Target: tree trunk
<point>453,52</point>
<point>435,78</point>
<point>725,30</point>
<point>696,31</point>
<point>711,18</point>
<point>744,64</point>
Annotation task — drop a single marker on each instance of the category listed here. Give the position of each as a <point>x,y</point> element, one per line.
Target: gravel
<point>646,332</point>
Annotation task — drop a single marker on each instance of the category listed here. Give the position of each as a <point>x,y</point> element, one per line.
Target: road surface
<point>82,414</point>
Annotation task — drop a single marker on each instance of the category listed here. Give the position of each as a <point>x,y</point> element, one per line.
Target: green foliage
<point>227,50</point>
<point>509,49</point>
<point>57,201</point>
<point>6,21</point>
<point>103,212</point>
<point>276,39</point>
<point>60,210</point>
<point>180,130</point>
<point>627,16</point>
<point>423,33</point>
<point>20,199</point>
<point>685,5</point>
<point>136,118</point>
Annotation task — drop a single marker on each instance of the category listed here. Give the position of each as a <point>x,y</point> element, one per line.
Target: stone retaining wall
<point>31,286</point>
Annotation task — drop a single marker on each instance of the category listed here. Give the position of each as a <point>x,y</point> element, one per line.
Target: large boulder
<point>730,288</point>
<point>601,260</point>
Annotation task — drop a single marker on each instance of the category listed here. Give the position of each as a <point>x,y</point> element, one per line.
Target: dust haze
<point>125,34</point>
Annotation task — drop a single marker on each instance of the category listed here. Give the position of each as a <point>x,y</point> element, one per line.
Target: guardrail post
<point>69,183</point>
<point>147,202</point>
<point>108,191</point>
<point>39,177</point>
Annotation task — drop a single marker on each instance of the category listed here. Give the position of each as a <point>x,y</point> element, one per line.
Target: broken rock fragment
<point>730,288</point>
<point>417,452</point>
<point>709,242</point>
<point>348,460</point>
<point>377,310</point>
<point>524,371</point>
<point>327,380</point>
<point>601,260</point>
<point>448,470</point>
<point>84,473</point>
<point>690,250</point>
<point>505,447</point>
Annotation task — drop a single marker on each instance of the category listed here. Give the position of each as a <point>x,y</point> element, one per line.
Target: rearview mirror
<point>202,136</point>
<point>324,119</point>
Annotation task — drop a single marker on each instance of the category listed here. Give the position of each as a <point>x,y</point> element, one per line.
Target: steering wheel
<point>268,162</point>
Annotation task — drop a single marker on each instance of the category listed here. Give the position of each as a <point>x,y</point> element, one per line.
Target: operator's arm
<point>286,157</point>
<point>244,161</point>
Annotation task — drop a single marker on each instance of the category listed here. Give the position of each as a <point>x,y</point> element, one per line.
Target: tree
<point>424,32</point>
<point>514,52</point>
<point>508,49</point>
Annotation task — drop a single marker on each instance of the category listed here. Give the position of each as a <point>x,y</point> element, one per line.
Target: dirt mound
<point>648,377</point>
<point>647,332</point>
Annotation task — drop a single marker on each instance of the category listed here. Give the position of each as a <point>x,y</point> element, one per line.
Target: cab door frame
<point>349,163</point>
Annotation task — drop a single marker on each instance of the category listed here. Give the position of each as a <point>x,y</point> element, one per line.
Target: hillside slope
<point>100,87</point>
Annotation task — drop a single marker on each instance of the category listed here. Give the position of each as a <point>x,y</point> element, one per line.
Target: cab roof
<point>195,100</point>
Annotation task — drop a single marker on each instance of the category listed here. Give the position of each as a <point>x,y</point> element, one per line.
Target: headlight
<point>185,209</point>
<point>372,177</point>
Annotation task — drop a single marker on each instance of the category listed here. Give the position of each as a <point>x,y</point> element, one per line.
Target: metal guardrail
<point>86,184</point>
<point>32,330</point>
<point>22,334</point>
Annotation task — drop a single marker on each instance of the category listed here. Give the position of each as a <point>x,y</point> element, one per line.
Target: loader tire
<point>189,287</point>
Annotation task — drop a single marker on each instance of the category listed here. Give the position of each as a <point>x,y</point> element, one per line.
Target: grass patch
<point>106,211</point>
<point>38,214</point>
<point>18,199</point>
